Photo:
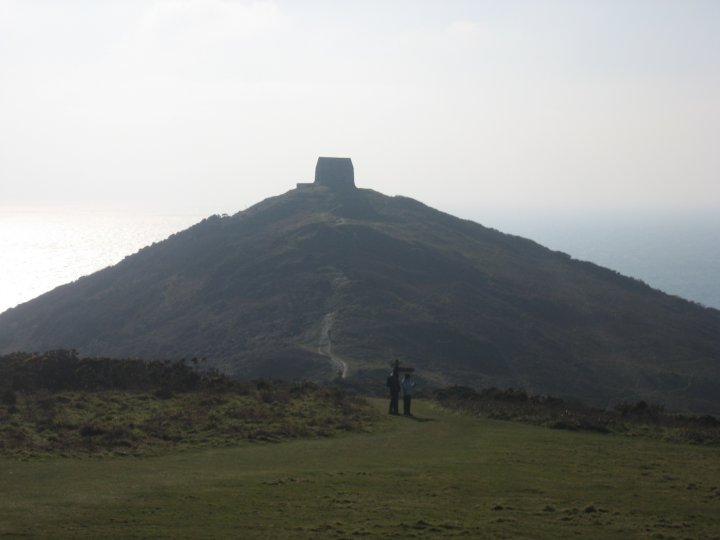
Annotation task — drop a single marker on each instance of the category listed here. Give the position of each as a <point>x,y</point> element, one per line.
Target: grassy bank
<point>59,404</point>
<point>440,475</point>
<point>141,423</point>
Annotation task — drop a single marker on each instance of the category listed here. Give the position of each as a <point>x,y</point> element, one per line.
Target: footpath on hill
<point>437,475</point>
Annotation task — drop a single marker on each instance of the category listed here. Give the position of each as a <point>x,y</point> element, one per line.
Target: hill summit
<point>332,280</point>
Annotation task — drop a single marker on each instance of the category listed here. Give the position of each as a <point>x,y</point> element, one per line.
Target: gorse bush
<point>8,397</point>
<point>65,370</point>
<point>641,409</point>
<point>640,418</point>
<point>58,402</point>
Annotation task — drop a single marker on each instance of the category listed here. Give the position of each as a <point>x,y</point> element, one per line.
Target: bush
<point>91,431</point>
<point>514,404</point>
<point>9,398</point>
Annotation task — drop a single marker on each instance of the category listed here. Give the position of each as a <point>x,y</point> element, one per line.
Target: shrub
<point>9,398</point>
<point>91,431</point>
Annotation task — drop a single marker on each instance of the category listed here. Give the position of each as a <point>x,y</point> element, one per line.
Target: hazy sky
<point>211,105</point>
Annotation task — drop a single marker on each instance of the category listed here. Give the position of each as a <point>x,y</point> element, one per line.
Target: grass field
<point>440,475</point>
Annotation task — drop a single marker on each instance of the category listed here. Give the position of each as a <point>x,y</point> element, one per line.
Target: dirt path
<point>325,345</point>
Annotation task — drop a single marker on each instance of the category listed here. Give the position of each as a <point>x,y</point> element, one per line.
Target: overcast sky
<point>209,106</point>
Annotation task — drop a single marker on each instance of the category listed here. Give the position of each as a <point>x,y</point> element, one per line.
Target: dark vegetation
<point>59,402</point>
<point>632,419</point>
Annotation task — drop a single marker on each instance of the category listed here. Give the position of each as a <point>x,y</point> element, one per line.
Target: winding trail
<point>325,344</point>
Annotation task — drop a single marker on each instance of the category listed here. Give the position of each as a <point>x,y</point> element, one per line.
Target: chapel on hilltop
<point>334,173</point>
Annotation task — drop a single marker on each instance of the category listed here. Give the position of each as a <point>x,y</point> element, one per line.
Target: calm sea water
<point>41,248</point>
<point>676,253</point>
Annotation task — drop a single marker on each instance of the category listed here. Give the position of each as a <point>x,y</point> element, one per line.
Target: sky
<point>208,106</point>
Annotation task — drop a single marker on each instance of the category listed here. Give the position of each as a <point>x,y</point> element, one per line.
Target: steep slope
<point>319,279</point>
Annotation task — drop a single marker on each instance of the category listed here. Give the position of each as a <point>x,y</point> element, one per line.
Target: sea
<point>677,252</point>
<point>42,248</point>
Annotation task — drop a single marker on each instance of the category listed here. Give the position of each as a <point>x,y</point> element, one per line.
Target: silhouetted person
<point>393,383</point>
<point>407,388</point>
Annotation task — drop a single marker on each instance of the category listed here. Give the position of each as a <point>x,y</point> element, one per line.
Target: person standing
<point>393,383</point>
<point>407,388</point>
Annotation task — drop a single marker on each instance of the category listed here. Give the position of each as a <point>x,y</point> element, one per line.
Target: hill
<point>328,279</point>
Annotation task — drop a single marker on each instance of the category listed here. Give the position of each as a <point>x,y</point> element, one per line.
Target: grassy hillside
<point>440,475</point>
<point>302,283</point>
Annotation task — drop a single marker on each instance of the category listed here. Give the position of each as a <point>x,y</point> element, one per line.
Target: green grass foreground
<point>440,475</point>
